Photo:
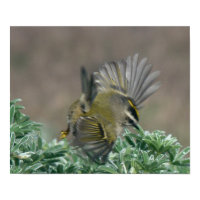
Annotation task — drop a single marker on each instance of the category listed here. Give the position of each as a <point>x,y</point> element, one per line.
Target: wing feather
<point>91,138</point>
<point>129,76</point>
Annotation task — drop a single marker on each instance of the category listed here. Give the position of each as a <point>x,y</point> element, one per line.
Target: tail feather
<point>84,81</point>
<point>89,90</point>
<point>92,90</point>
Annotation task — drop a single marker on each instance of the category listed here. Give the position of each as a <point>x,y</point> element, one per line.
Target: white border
<point>132,13</point>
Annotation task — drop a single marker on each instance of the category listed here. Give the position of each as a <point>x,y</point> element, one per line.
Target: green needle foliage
<point>134,153</point>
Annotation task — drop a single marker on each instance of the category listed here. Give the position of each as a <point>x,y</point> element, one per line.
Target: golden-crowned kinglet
<point>109,101</point>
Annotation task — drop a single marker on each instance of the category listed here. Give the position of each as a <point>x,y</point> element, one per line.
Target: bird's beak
<point>131,123</point>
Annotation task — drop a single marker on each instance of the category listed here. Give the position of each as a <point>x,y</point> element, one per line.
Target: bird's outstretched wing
<point>90,136</point>
<point>130,76</point>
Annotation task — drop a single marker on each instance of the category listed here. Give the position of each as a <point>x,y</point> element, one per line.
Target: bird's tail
<point>89,90</point>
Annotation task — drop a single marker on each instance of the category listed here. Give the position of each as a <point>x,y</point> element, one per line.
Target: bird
<point>110,101</point>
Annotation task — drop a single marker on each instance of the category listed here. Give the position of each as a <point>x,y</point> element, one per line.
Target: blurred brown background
<point>45,64</point>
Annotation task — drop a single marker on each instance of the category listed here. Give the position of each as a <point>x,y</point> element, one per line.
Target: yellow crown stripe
<point>132,105</point>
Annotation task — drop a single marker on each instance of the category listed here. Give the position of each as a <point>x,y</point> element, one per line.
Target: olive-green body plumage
<point>110,100</point>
